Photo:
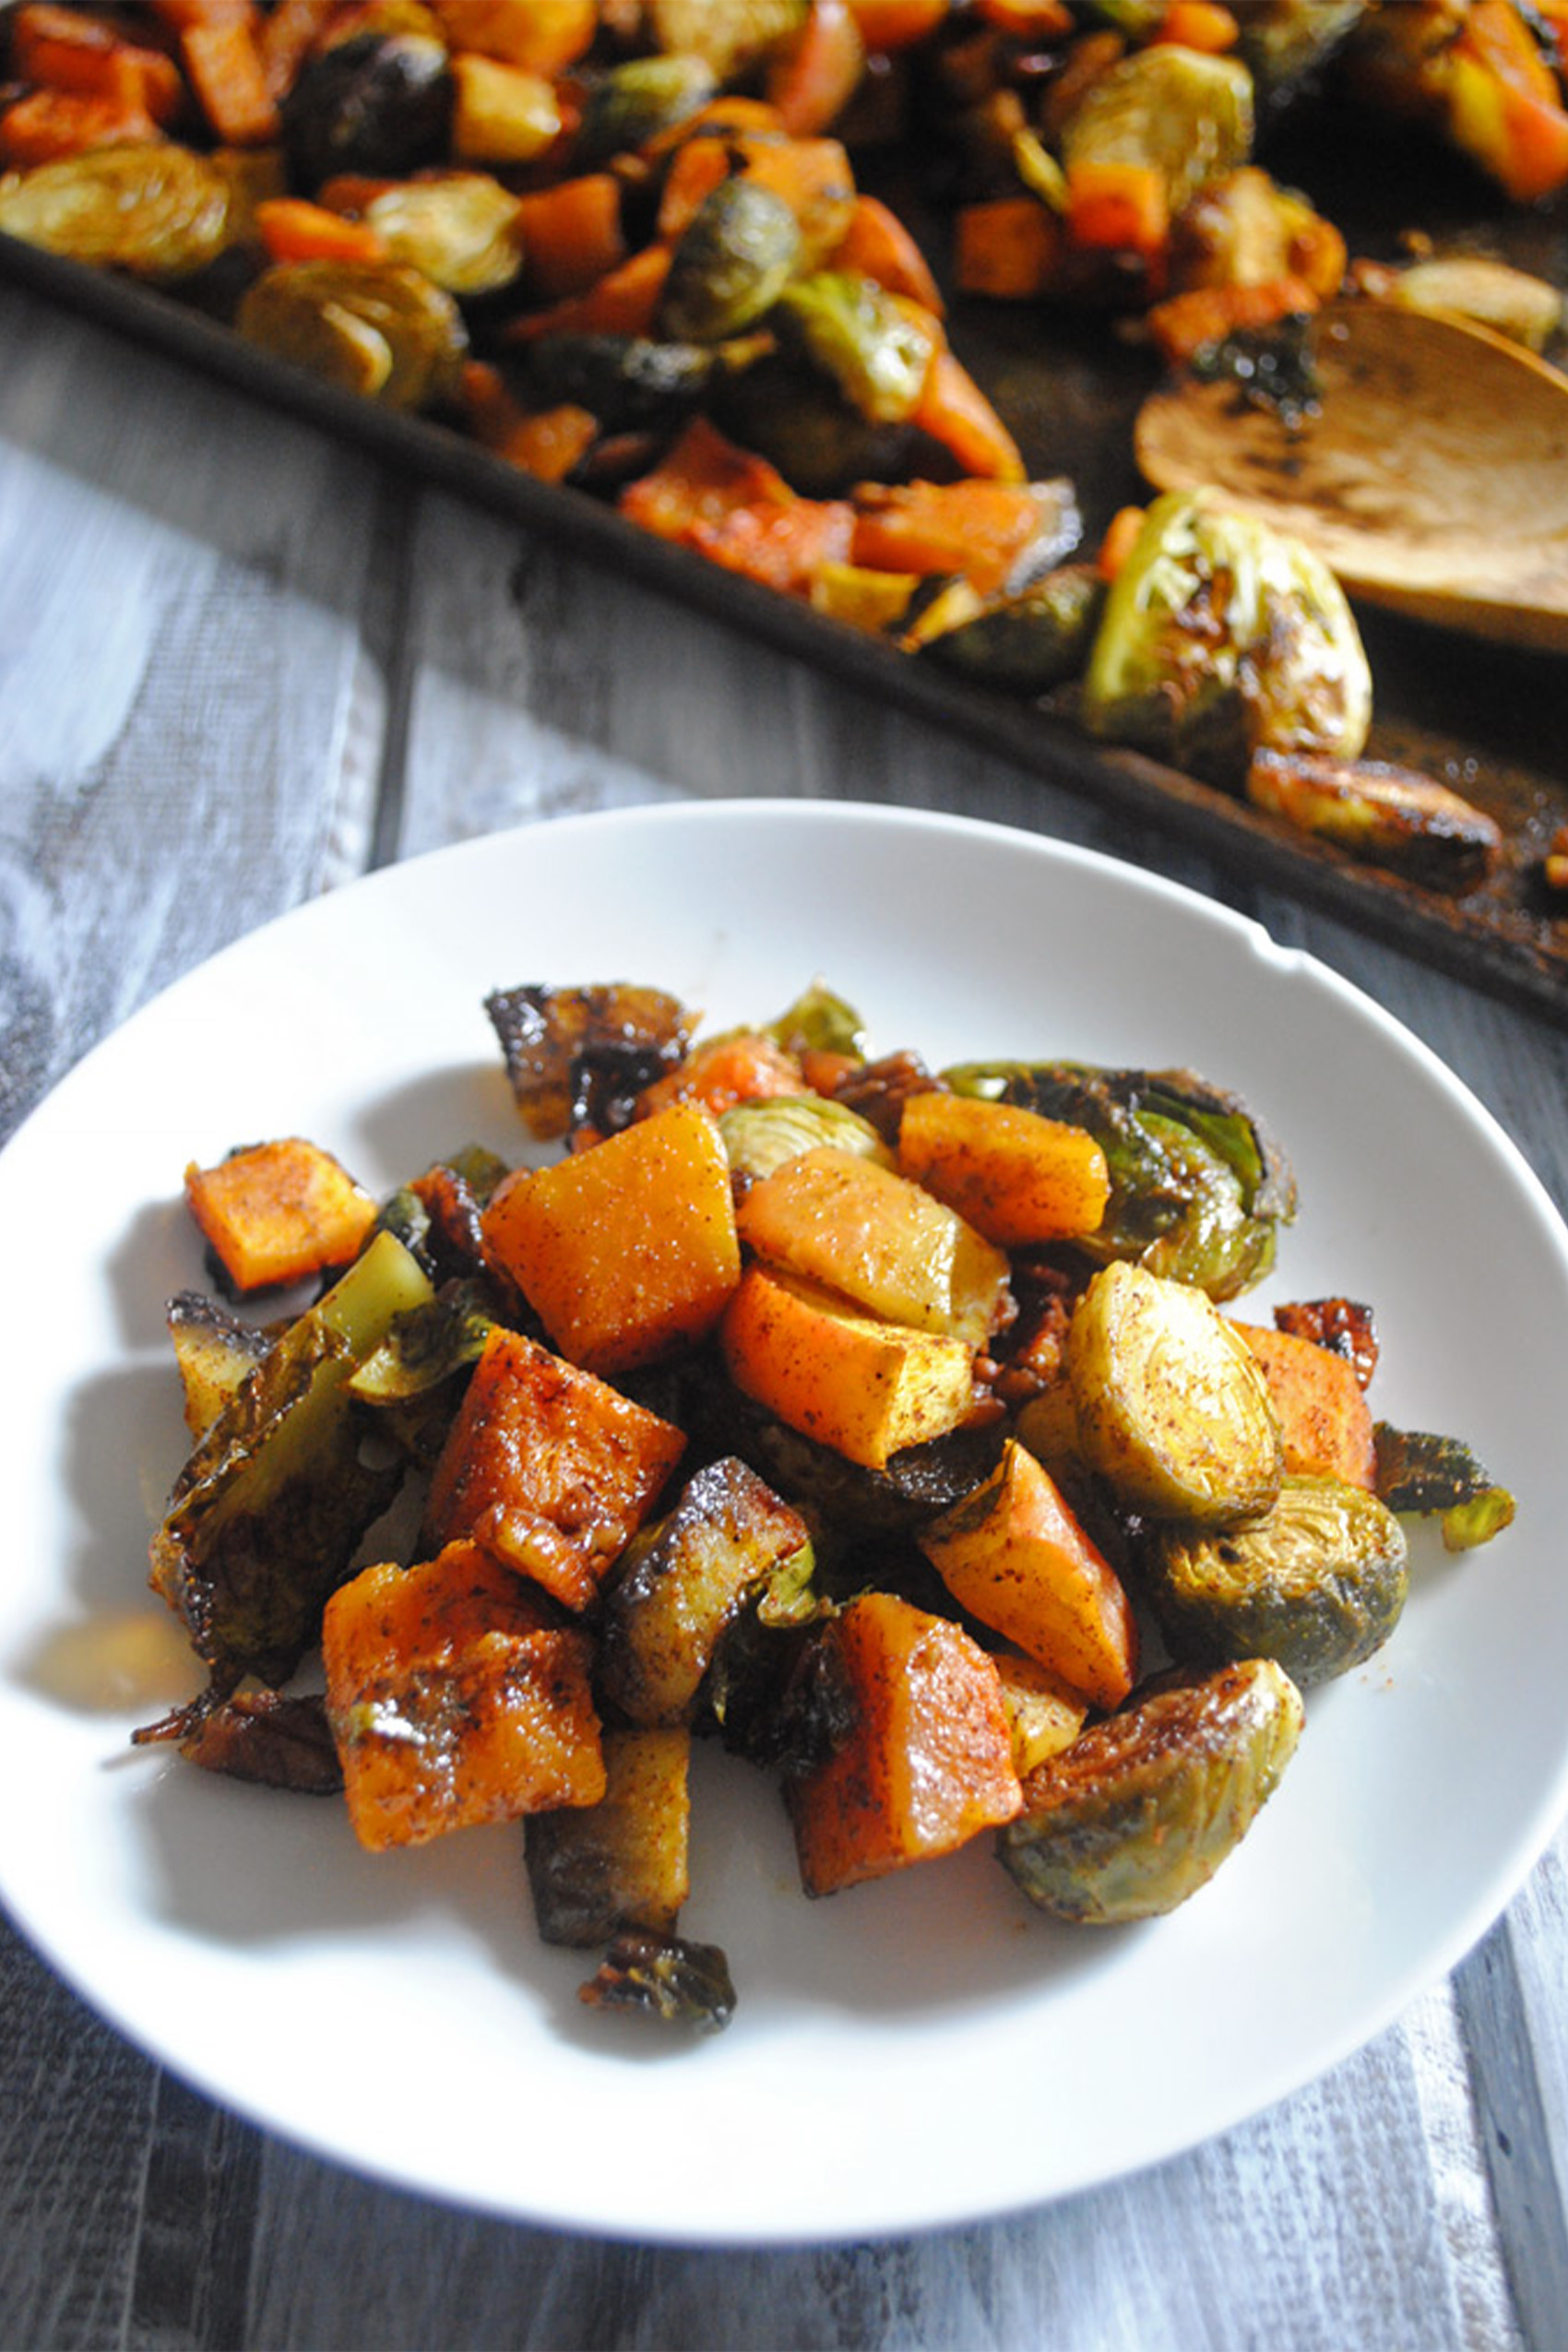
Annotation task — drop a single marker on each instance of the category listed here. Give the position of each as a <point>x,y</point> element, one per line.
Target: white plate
<point>920,2051</point>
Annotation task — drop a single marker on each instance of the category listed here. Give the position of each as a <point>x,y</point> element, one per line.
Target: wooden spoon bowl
<point>1433,478</point>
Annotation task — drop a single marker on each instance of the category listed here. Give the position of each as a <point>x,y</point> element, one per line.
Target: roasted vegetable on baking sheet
<point>876,1426</point>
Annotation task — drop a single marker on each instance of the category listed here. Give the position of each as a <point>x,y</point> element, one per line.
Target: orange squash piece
<point>456,1700</point>
<point>225,67</point>
<point>626,1251</point>
<point>1326,1423</point>
<point>279,1212</point>
<point>1016,1177</point>
<point>571,236</point>
<point>928,1761</point>
<point>701,478</point>
<point>1007,248</point>
<point>979,530</point>
<point>865,1387</point>
<point>1014,1555</point>
<point>546,36</point>
<point>547,1468</point>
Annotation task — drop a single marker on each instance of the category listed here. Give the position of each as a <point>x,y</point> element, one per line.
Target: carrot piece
<point>547,1468</point>
<point>1182,325</point>
<point>1014,1555</point>
<point>545,36</point>
<point>926,1763</point>
<point>59,49</point>
<point>980,530</point>
<point>571,236</point>
<point>784,547</point>
<point>624,302</point>
<point>279,1212</point>
<point>293,229</point>
<point>551,444</point>
<point>48,123</point>
<point>887,25</point>
<point>455,1700</point>
<point>224,67</point>
<point>1121,536</point>
<point>954,410</point>
<point>1006,247</point>
<point>816,76</point>
<point>877,245</point>
<point>1517,136</point>
<point>701,477</point>
<point>1199,24</point>
<point>1120,206</point>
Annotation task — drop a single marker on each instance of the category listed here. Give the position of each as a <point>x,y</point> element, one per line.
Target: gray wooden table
<point>242,665</point>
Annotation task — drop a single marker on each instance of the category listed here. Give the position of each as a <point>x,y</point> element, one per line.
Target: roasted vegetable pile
<point>632,246</point>
<point>892,1429</point>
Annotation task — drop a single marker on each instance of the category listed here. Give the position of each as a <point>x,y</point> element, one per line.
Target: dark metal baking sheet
<point>1488,719</point>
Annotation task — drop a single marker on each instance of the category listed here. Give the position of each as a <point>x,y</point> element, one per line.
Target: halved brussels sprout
<point>1317,1584</point>
<point>459,228</point>
<point>1171,1409</point>
<point>1143,1807</point>
<point>846,327</point>
<point>629,382</point>
<point>633,103</point>
<point>377,103</point>
<point>729,36</point>
<point>1222,637</point>
<point>1184,114</point>
<point>1028,642</point>
<point>732,265</point>
<point>760,1136</point>
<point>153,208</point>
<point>374,328</point>
<point>819,1022</point>
<point>1198,1185</point>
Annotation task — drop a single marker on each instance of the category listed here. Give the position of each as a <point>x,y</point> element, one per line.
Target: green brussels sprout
<point>374,328</point>
<point>844,326</point>
<point>1143,1807</point>
<point>731,264</point>
<point>1317,1584</point>
<point>1420,1471</point>
<point>1171,1411</point>
<point>1183,115</point>
<point>629,382</point>
<point>760,1136</point>
<point>633,103</point>
<point>1198,1186</point>
<point>154,210</point>
<point>459,228</point>
<point>818,1021</point>
<point>377,103</point>
<point>729,36</point>
<point>1222,637</point>
<point>800,421</point>
<point>1028,642</point>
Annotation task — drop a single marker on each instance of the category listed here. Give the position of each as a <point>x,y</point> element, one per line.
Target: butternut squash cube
<point>1016,1177</point>
<point>547,1468</point>
<point>1325,1422</point>
<point>623,1862</point>
<point>865,1387</point>
<point>279,1212</point>
<point>628,1250</point>
<point>836,1217</point>
<point>501,114</point>
<point>1013,1554</point>
<point>927,1764</point>
<point>455,1700</point>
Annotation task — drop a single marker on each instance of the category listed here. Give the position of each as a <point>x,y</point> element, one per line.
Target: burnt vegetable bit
<point>666,1978</point>
<point>578,1057</point>
<point>279,1740</point>
<point>1418,1470</point>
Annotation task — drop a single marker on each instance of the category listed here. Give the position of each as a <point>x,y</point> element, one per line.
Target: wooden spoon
<point>1434,480</point>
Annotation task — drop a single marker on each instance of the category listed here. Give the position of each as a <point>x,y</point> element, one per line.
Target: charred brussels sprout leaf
<point>820,1022</point>
<point>666,1978</point>
<point>266,1516</point>
<point>580,1055</point>
<point>380,104</point>
<point>154,210</point>
<point>1418,1471</point>
<point>1222,637</point>
<point>1143,1807</point>
<point>263,1735</point>
<point>629,382</point>
<point>1029,642</point>
<point>1317,1584</point>
<point>1198,1185</point>
<point>427,1347</point>
<point>732,265</point>
<point>374,328</point>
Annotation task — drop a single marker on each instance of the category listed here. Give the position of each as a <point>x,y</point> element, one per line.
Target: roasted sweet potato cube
<point>927,1761</point>
<point>1016,1177</point>
<point>549,1467</point>
<point>1014,1555</point>
<point>865,1387</point>
<point>279,1212</point>
<point>628,1250</point>
<point>683,1582</point>
<point>1326,1423</point>
<point>623,1862</point>
<point>454,1699</point>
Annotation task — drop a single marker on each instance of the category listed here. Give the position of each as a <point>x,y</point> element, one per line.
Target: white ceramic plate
<point>921,2051</point>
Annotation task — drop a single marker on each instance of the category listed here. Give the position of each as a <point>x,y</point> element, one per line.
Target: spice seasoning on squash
<point>279,1212</point>
<point>1326,1423</point>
